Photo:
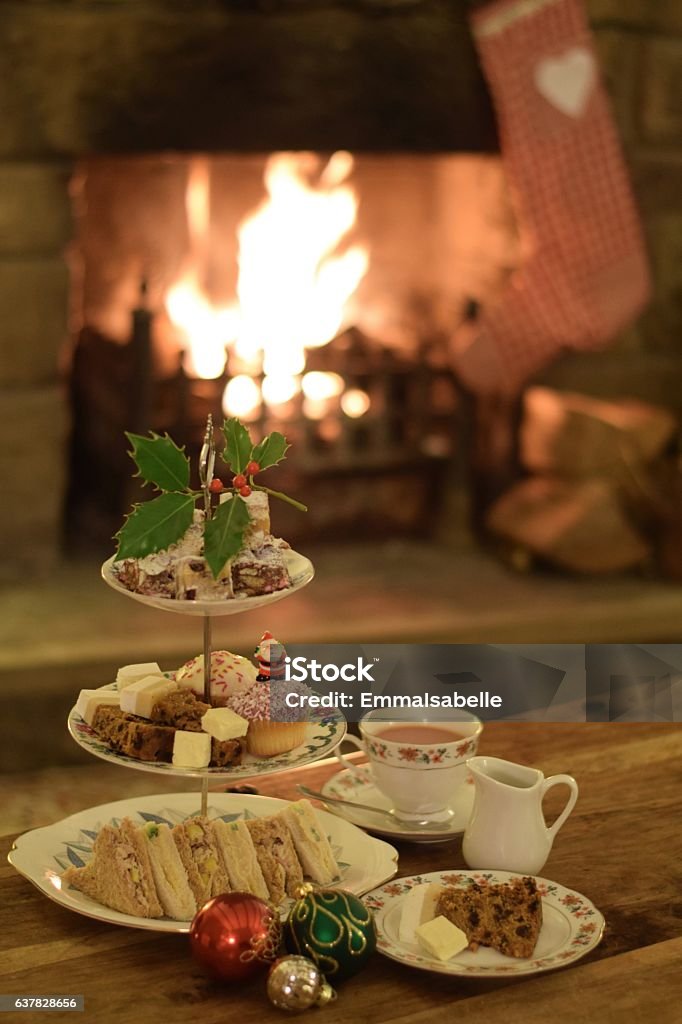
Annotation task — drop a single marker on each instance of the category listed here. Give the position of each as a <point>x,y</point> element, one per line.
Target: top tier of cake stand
<point>301,572</point>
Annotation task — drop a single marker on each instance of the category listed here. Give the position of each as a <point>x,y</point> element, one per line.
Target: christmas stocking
<point>584,275</point>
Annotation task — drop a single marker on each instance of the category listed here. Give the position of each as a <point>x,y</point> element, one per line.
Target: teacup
<point>417,765</point>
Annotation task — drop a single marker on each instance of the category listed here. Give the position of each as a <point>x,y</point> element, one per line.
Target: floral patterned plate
<point>326,729</point>
<point>301,572</point>
<point>45,853</point>
<point>571,927</point>
<point>358,785</point>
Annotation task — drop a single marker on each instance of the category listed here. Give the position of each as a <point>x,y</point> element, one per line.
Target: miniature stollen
<point>584,275</point>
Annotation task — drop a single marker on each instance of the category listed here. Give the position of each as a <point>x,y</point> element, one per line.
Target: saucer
<point>359,786</point>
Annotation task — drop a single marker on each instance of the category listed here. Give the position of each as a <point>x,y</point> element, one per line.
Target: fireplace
<point>111,108</point>
<point>309,293</point>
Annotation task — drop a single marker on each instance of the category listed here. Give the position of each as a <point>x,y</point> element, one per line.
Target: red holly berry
<point>245,491</point>
<point>239,481</point>
<point>216,486</point>
<point>253,468</point>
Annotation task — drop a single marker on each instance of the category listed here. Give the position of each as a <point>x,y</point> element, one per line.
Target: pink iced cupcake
<point>267,737</point>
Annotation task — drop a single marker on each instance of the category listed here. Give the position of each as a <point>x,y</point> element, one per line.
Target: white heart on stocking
<point>566,81</point>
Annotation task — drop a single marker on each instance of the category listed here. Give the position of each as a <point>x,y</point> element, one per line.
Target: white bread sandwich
<point>277,857</point>
<point>119,874</point>
<point>200,859</point>
<point>310,841</point>
<point>170,877</point>
<point>238,857</point>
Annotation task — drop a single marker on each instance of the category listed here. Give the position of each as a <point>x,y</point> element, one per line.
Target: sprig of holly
<point>155,525</point>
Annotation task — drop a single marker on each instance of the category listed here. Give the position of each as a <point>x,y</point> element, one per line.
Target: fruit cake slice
<point>133,736</point>
<point>507,917</point>
<point>181,709</point>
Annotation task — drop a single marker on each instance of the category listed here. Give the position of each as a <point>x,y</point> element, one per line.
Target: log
<point>574,435</point>
<point>577,525</point>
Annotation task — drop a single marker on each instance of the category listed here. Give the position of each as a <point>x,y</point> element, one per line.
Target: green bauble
<point>332,927</point>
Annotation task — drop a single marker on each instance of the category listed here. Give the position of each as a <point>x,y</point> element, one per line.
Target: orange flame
<point>206,329</point>
<point>293,286</point>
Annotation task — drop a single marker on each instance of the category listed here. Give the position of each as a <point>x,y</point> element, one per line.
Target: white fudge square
<point>191,749</point>
<point>224,724</point>
<point>140,697</point>
<point>89,700</point>
<point>131,673</point>
<point>441,938</point>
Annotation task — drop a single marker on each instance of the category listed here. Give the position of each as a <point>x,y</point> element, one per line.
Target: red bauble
<point>234,936</point>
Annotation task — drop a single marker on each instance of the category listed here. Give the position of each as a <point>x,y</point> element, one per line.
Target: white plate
<point>359,785</point>
<point>42,855</point>
<point>571,927</point>
<point>325,731</point>
<point>301,572</point>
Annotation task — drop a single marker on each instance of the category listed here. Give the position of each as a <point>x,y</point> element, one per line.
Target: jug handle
<point>557,780</point>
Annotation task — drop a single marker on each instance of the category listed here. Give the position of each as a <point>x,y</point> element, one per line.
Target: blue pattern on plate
<point>77,861</point>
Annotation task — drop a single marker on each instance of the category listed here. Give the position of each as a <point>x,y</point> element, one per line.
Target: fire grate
<point>371,458</point>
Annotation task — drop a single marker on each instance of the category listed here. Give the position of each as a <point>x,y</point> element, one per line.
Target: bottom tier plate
<point>43,854</point>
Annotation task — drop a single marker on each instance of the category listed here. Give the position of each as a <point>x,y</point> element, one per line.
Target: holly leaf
<point>238,446</point>
<point>224,533</point>
<point>271,450</point>
<point>160,462</point>
<point>155,525</point>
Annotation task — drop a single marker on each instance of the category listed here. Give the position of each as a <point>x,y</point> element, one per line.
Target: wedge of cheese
<point>441,938</point>
<point>416,908</point>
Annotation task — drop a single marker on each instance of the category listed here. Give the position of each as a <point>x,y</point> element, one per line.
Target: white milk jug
<point>507,830</point>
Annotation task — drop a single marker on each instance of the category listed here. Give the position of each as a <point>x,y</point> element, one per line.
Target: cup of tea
<point>417,765</point>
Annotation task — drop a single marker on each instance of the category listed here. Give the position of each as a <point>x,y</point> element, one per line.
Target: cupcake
<point>274,728</point>
<point>231,675</point>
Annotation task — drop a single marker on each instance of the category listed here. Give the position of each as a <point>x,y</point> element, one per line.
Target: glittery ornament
<point>235,935</point>
<point>295,983</point>
<point>332,927</point>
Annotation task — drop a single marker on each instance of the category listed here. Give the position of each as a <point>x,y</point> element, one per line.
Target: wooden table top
<point>620,848</point>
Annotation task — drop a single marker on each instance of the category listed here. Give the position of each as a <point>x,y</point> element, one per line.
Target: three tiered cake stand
<point>326,728</point>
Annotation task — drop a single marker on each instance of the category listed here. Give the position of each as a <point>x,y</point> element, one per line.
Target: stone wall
<point>35,221</point>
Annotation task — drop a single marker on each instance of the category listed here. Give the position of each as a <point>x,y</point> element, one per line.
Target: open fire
<point>297,276</point>
<point>298,292</point>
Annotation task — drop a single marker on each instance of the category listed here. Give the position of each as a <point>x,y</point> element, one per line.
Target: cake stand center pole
<point>207,698</point>
<point>206,465</point>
